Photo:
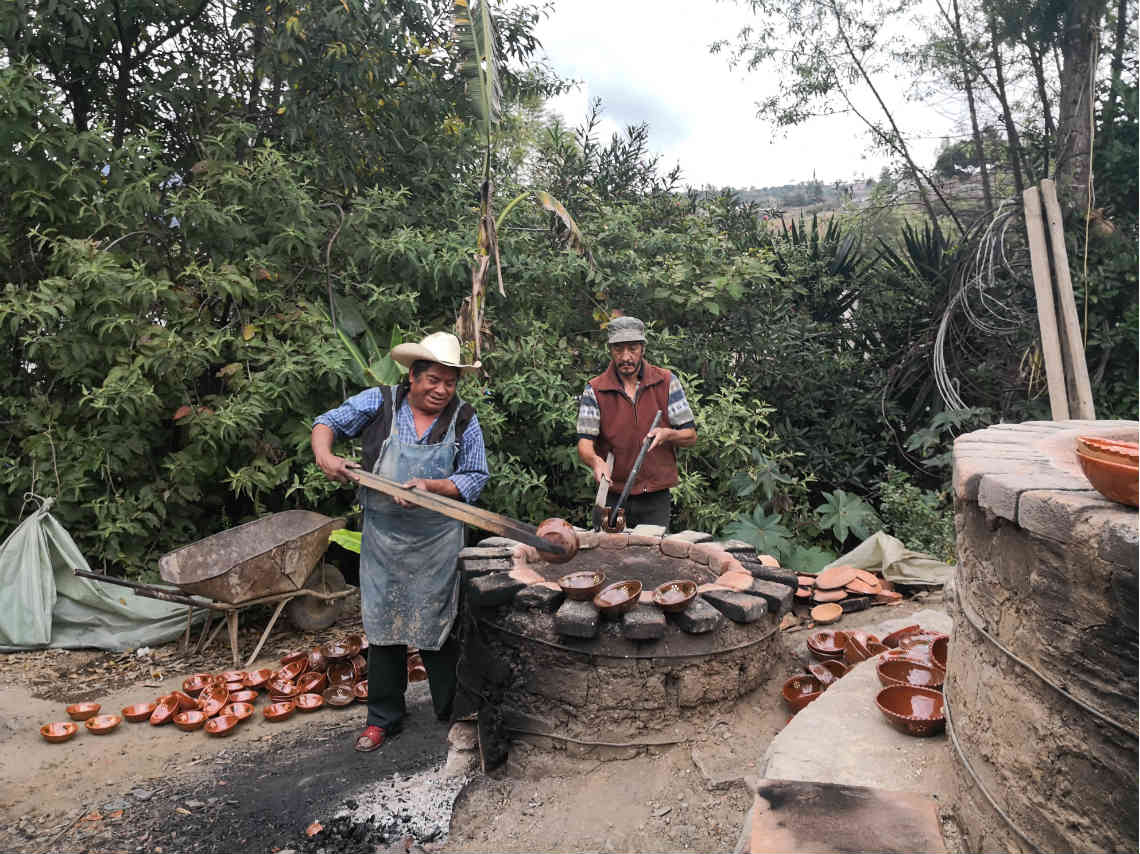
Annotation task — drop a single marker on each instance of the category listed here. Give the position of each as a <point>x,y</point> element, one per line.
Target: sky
<point>650,62</point>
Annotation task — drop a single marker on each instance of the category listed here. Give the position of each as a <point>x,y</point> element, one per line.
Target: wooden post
<point>1080,396</point>
<point>1046,316</point>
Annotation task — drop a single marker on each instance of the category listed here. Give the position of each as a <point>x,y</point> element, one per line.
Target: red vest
<point>624,424</point>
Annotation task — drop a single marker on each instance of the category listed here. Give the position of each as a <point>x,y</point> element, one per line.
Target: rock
<point>855,603</point>
<point>141,794</point>
<point>738,607</point>
<point>643,623</point>
<point>694,536</point>
<point>613,541</point>
<point>675,547</point>
<point>459,763</point>
<point>193,805</point>
<point>778,596</point>
<point>649,530</point>
<point>771,573</point>
<point>702,553</point>
<point>493,589</point>
<point>539,597</point>
<point>699,617</point>
<point>662,811</point>
<point>576,619</point>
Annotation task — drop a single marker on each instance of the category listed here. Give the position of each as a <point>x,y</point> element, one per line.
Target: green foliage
<point>845,514</point>
<point>922,519</point>
<point>764,531</point>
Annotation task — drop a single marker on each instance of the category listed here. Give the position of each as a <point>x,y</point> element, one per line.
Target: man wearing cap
<point>614,414</point>
<point>422,435</point>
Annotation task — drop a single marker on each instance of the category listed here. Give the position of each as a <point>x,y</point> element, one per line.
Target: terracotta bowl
<point>278,711</point>
<point>827,644</point>
<point>294,656</point>
<point>835,577</point>
<point>102,724</point>
<point>823,674</point>
<point>338,695</point>
<point>213,698</point>
<point>83,711</point>
<point>582,586</point>
<point>359,668</point>
<point>257,678</point>
<point>309,702</point>
<point>615,599</point>
<point>1115,481</point>
<point>222,725</point>
<point>801,690</point>
<point>1113,450</point>
<point>360,691</point>
<point>138,712</point>
<point>901,671</point>
<point>58,732</point>
<point>336,650</point>
<point>837,668</point>
<point>892,640</point>
<point>194,684</point>
<point>673,596</point>
<point>913,710</point>
<point>863,637</point>
<point>292,670</point>
<point>279,688</point>
<point>341,673</point>
<point>922,638</point>
<point>233,675</point>
<point>562,533</point>
<point>876,648</point>
<point>356,643</point>
<point>165,710</point>
<point>246,695</point>
<point>316,662</point>
<point>938,651</point>
<point>803,593</point>
<point>185,701</point>
<point>312,683</point>
<point>829,612</point>
<point>190,720</point>
<point>855,651</point>
<point>241,711</point>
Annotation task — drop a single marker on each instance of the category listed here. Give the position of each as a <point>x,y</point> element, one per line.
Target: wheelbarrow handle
<point>147,590</point>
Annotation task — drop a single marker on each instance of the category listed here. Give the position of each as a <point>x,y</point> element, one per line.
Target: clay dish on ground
<point>863,637</point>
<point>828,613</point>
<point>246,695</point>
<point>279,688</point>
<point>360,691</point>
<point>862,588</point>
<point>827,643</point>
<point>194,684</point>
<point>165,710</point>
<point>615,599</point>
<point>835,578</point>
<point>1115,481</point>
<point>257,678</point>
<point>233,676</point>
<point>335,651</point>
<point>823,674</point>
<point>294,656</point>
<point>803,593</point>
<point>223,725</point>
<point>875,648</point>
<point>234,686</point>
<point>279,711</point>
<point>582,586</point>
<point>292,670</point>
<point>338,695</point>
<point>913,710</point>
<point>901,671</point>
<point>309,702</point>
<point>241,711</point>
<point>190,720</point>
<point>213,698</point>
<point>184,700</point>
<point>559,532</point>
<point>805,581</point>
<point>673,596</point>
<point>59,731</point>
<point>855,651</point>
<point>801,690</point>
<point>138,712</point>
<point>359,667</point>
<point>316,662</point>
<point>83,711</point>
<point>102,724</point>
<point>938,651</point>
<point>312,683</point>
<point>837,667</point>
<point>828,595</point>
<point>356,643</point>
<point>888,597</point>
<point>892,640</point>
<point>341,673</point>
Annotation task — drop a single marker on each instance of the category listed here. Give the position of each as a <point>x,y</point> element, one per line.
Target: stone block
<point>855,603</point>
<point>645,622</point>
<point>698,618</point>
<point>472,552</point>
<point>704,553</point>
<point>497,542</point>
<point>737,546</point>
<point>648,530</point>
<point>694,536</point>
<point>538,597</point>
<point>767,560</point>
<point>779,597</point>
<point>673,546</point>
<point>643,539</point>
<point>738,607</point>
<point>576,619</point>
<point>496,588</point>
<point>722,562</point>
<point>481,566</point>
<point>999,492</point>
<point>613,541</point>
<point>1118,542</point>
<point>771,573</point>
<point>588,540</point>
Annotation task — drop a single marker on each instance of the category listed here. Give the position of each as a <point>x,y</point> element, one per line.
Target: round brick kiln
<point>1042,685</point>
<point>570,673</point>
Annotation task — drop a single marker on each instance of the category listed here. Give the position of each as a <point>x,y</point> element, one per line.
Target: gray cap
<point>625,329</point>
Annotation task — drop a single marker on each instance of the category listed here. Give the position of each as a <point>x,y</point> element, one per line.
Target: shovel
<point>633,472</point>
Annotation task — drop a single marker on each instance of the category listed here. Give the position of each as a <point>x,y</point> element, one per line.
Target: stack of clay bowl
<point>1111,466</point>
<point>310,680</point>
<point>843,584</point>
<point>912,673</point>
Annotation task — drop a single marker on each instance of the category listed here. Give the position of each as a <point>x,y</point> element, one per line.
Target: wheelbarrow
<point>269,560</point>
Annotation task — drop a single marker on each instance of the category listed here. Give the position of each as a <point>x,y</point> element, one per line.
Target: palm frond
<point>479,51</point>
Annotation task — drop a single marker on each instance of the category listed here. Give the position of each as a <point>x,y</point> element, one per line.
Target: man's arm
<point>589,426</point>
<point>592,461</point>
<point>682,430</point>
<point>345,421</point>
<point>334,467</point>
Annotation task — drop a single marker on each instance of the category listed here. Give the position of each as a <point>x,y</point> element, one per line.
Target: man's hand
<point>660,435</point>
<point>336,468</point>
<point>414,483</point>
<point>601,470</point>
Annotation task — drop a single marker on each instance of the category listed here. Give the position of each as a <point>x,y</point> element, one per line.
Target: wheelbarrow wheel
<point>310,614</point>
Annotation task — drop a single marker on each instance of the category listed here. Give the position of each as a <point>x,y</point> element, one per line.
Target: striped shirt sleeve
<point>352,416</point>
<point>680,415</point>
<point>589,416</point>
<point>471,471</point>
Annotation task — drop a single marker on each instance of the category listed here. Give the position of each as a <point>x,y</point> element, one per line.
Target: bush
<point>921,518</point>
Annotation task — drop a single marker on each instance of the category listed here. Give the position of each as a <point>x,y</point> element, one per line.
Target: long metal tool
<point>633,472</point>
<point>603,493</point>
<point>504,526</point>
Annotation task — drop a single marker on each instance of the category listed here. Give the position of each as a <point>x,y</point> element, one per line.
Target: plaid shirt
<point>679,416</point>
<point>352,416</point>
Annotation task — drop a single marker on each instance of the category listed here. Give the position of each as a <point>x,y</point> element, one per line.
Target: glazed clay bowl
<point>913,710</point>
<point>312,683</point>
<point>234,686</point>
<point>83,711</point>
<point>233,676</point>
<point>360,691</point>
<point>801,690</point>
<point>855,651</point>
<point>616,599</point>
<point>1115,481</point>
<point>341,673</point>
<point>241,711</point>
<point>102,724</point>
<point>256,678</point>
<point>184,700</point>
<point>222,725</point>
<point>825,676</point>
<point>213,698</point>
<point>892,640</point>
<point>562,533</point>
<point>246,695</point>
<point>281,688</point>
<point>165,710</point>
<point>190,720</point>
<point>582,586</point>
<point>827,644</point>
<point>316,662</point>
<point>278,711</point>
<point>338,695</point>
<point>359,668</point>
<point>346,648</point>
<point>1112,450</point>
<point>900,671</point>
<point>673,596</point>
<point>834,666</point>
<point>138,712</point>
<point>292,670</point>
<point>938,651</point>
<point>194,684</point>
<point>58,732</point>
<point>293,656</point>
<point>309,702</point>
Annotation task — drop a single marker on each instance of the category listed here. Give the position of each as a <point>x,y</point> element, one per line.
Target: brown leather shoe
<point>371,739</point>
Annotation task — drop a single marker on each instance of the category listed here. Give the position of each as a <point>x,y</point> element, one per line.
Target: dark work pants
<point>388,681</point>
<point>648,508</point>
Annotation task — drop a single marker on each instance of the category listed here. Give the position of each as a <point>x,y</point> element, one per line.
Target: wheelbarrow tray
<point>267,556</point>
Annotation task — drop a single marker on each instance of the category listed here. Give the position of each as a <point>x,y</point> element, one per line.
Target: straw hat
<point>440,347</point>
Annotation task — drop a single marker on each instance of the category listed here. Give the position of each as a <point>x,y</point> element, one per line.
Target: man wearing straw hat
<point>421,434</point>
<point>614,414</point>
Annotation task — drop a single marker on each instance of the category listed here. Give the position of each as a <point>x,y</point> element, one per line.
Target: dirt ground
<point>143,788</point>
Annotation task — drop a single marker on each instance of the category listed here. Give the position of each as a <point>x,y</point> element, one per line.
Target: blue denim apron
<point>409,579</point>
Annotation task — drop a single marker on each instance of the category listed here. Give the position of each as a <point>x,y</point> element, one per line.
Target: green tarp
<point>44,604</point>
<point>883,553</point>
